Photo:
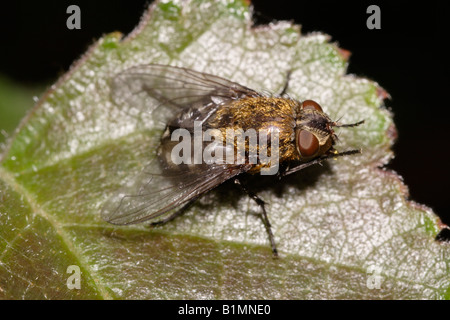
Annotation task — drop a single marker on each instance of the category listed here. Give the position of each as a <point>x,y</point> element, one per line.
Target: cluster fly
<point>187,100</point>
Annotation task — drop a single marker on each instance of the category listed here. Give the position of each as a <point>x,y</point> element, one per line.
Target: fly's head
<point>314,134</point>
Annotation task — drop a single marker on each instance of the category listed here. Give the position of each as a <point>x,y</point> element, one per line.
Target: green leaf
<point>15,100</point>
<point>344,230</point>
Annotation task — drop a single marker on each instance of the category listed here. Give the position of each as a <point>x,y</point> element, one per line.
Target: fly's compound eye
<point>308,144</point>
<point>311,105</point>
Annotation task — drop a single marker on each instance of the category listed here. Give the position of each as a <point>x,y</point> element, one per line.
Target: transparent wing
<point>153,194</point>
<point>147,87</point>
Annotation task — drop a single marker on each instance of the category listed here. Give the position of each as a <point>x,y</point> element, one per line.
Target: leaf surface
<point>344,229</point>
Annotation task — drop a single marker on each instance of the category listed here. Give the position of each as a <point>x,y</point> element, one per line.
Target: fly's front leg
<point>263,214</point>
<point>286,84</point>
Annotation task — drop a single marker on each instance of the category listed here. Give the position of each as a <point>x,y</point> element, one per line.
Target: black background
<point>407,57</point>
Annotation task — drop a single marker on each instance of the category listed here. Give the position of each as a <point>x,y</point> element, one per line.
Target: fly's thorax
<point>264,116</point>
<point>256,113</point>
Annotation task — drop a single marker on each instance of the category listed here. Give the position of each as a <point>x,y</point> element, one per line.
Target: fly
<point>202,105</point>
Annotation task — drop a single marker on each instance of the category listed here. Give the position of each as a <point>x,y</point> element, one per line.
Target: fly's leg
<point>286,84</point>
<point>263,214</point>
<point>177,213</point>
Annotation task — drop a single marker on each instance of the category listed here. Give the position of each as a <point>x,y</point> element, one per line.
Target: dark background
<point>407,57</point>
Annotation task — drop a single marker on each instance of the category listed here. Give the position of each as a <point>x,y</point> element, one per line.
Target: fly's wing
<point>172,89</point>
<point>156,193</point>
